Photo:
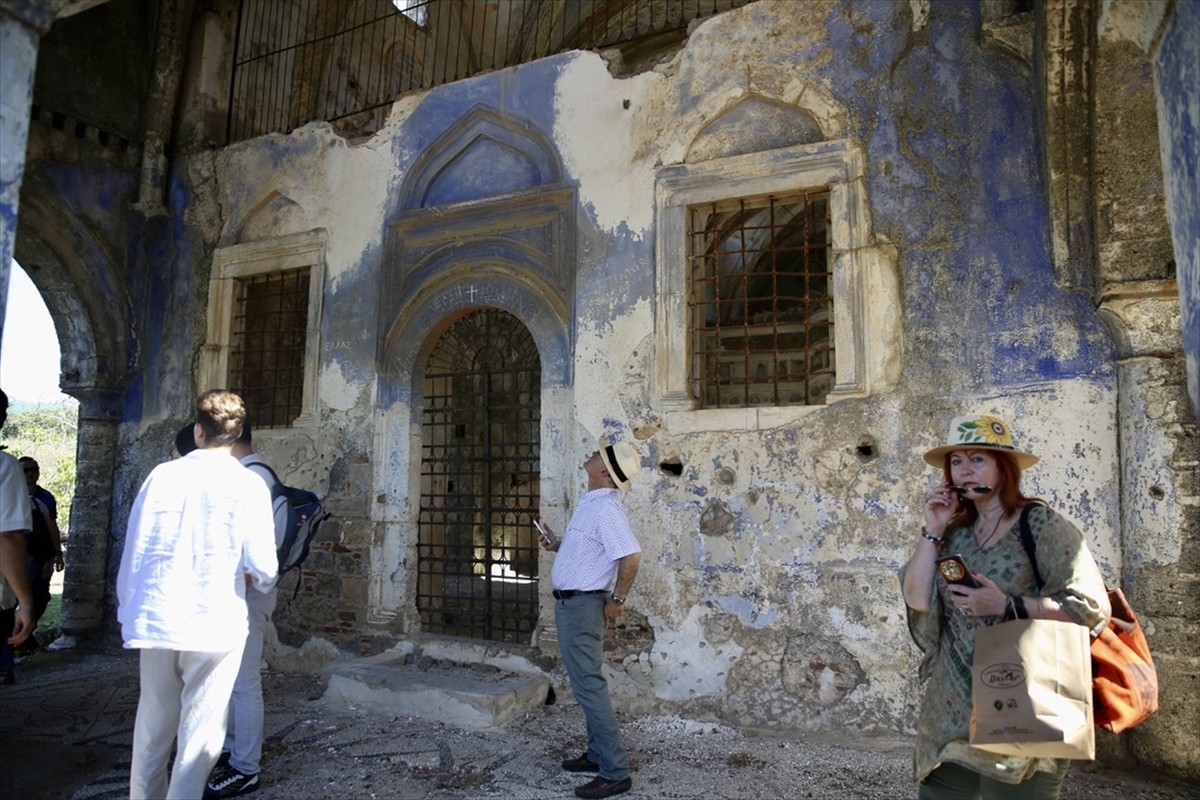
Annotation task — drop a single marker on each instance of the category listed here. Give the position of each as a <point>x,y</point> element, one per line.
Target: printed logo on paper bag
<point>1003,676</point>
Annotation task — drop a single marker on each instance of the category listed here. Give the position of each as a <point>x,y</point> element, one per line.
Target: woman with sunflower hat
<point>975,512</point>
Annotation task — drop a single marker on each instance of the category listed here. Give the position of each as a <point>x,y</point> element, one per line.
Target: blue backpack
<point>298,515</point>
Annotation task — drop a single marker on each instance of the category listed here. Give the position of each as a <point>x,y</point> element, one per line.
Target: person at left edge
<point>16,596</point>
<point>199,532</point>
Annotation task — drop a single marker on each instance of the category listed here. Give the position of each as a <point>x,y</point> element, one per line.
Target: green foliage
<point>47,432</point>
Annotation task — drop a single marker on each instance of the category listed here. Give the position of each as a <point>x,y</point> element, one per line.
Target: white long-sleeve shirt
<point>199,525</point>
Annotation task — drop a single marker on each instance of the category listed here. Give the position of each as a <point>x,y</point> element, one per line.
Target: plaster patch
<point>337,391</point>
<point>684,665</point>
<point>596,134</point>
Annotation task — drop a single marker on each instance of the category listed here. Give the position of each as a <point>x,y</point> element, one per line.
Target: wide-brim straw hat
<point>979,432</point>
<point>621,461</point>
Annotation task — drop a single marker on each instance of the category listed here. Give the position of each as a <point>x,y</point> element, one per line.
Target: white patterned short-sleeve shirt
<point>597,536</point>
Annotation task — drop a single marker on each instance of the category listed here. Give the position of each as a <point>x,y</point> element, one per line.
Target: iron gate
<point>477,552</point>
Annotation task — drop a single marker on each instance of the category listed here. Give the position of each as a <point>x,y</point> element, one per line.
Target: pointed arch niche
<point>483,220</point>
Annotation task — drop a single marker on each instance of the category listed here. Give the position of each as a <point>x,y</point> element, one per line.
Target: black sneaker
<point>225,781</point>
<point>580,764</point>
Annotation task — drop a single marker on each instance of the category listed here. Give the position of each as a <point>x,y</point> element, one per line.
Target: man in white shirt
<point>598,559</point>
<point>199,532</point>
<point>16,621</point>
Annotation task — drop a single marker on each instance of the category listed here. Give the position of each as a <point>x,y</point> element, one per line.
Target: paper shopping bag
<point>1031,687</point>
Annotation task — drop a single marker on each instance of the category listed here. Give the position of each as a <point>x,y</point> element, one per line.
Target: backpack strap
<point>1027,541</point>
<point>276,484</point>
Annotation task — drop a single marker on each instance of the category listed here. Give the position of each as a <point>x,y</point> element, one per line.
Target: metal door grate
<point>477,553</point>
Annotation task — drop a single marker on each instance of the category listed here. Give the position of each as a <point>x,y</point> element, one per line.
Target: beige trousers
<point>184,696</point>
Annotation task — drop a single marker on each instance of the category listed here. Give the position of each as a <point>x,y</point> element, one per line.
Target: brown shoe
<point>603,787</point>
<point>580,764</point>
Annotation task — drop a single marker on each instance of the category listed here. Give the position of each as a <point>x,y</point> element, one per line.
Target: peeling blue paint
<point>747,611</point>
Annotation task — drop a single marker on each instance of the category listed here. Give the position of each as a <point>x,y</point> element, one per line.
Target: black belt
<point>563,594</point>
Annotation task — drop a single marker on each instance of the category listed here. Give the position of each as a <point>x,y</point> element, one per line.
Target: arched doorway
<point>477,554</point>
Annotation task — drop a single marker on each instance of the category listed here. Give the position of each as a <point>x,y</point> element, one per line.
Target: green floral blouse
<point>947,639</point>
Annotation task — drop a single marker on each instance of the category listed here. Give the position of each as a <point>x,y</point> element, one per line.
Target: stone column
<point>85,581</point>
<point>22,24</point>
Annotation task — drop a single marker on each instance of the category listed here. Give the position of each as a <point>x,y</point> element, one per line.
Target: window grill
<point>270,335</point>
<point>477,553</point>
<point>346,61</point>
<point>760,305</point>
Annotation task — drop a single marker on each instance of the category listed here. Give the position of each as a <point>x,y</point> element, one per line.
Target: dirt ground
<point>67,724</point>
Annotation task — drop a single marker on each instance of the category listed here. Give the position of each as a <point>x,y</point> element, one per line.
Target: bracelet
<point>1010,608</point>
<point>931,537</point>
<point>1019,607</point>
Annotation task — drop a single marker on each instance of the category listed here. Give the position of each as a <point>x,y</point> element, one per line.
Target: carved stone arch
<point>753,124</point>
<point>273,216</point>
<point>458,290</point>
<point>454,211</point>
<point>484,154</point>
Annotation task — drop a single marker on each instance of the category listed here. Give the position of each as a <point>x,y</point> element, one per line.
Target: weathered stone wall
<point>769,581</point>
<point>768,594</point>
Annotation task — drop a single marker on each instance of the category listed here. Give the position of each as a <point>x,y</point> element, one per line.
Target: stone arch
<point>72,269</point>
<point>274,216</point>
<point>470,284</point>
<point>753,124</point>
<point>87,299</point>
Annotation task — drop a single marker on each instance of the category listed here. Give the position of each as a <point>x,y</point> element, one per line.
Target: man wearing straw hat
<point>597,550</point>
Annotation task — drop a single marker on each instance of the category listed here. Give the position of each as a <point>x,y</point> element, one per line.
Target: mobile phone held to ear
<point>543,534</point>
<point>954,570</point>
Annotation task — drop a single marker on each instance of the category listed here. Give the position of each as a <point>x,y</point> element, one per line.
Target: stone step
<point>468,696</point>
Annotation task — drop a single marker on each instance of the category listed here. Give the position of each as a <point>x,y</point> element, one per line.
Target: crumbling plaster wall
<point>768,594</point>
<point>769,581</point>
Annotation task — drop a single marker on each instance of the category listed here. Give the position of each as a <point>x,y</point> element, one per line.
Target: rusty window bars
<point>760,301</point>
<point>270,337</point>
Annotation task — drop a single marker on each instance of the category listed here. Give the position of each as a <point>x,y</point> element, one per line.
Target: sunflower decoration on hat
<point>980,432</point>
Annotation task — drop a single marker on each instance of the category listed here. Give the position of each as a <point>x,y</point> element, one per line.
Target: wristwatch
<point>617,601</point>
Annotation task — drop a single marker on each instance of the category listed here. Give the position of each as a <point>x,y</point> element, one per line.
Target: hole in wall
<point>672,466</point>
<point>867,449</point>
<point>1157,493</point>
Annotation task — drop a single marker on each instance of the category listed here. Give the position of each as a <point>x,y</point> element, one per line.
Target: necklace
<point>992,535</point>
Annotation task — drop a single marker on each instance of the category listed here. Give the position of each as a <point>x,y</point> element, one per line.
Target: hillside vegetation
<point>47,432</point>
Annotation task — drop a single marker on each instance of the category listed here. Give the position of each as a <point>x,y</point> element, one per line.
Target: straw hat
<point>979,432</point>
<point>621,461</point>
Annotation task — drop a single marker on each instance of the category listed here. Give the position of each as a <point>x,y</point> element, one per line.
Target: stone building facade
<point>483,277</point>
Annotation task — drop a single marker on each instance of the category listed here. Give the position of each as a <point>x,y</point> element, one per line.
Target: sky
<point>29,354</point>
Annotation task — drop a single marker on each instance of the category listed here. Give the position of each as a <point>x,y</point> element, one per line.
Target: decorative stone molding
<point>867,318</point>
<point>255,258</point>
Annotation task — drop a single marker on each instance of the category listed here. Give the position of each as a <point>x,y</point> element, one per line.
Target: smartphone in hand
<point>954,570</point>
<point>544,536</point>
